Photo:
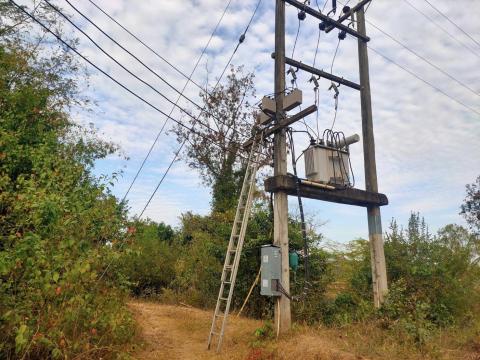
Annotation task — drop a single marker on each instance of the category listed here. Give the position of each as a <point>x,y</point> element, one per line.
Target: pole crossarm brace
<point>320,73</point>
<point>328,20</point>
<point>350,196</point>
<point>348,14</point>
<point>287,122</point>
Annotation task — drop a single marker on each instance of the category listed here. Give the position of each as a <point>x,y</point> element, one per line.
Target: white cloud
<point>427,145</point>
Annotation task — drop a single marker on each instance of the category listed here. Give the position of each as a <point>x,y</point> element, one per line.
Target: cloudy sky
<point>427,145</point>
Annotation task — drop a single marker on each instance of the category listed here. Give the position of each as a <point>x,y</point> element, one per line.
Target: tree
<point>470,209</point>
<point>59,223</point>
<point>215,152</point>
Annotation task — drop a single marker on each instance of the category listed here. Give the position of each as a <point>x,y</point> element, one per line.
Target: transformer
<point>329,163</point>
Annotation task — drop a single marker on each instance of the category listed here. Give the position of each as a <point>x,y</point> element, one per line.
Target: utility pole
<point>280,217</point>
<point>379,271</point>
<point>282,184</point>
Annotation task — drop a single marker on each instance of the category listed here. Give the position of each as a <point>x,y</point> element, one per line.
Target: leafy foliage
<point>215,151</point>
<point>433,279</point>
<point>187,267</point>
<point>470,209</point>
<point>59,225</point>
<point>149,262</point>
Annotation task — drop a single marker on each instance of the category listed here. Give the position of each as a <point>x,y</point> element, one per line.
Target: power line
<point>424,59</point>
<point>70,47</point>
<point>188,77</point>
<point>424,81</point>
<point>163,177</point>
<point>128,70</point>
<point>441,28</point>
<point>240,41</point>
<point>427,61</point>
<point>316,49</point>
<point>158,76</point>
<point>452,22</point>
<point>334,56</point>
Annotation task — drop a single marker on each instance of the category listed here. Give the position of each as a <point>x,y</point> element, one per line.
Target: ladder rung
<point>224,299</point>
<point>220,315</point>
<point>227,282</point>
<point>215,333</point>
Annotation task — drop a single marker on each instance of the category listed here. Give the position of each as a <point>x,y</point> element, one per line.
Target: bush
<point>433,279</point>
<point>59,225</point>
<point>187,265</point>
<point>149,263</point>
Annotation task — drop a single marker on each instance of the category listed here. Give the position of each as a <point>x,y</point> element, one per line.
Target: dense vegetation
<point>59,225</point>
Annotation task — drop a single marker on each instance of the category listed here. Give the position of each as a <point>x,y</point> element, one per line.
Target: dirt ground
<point>175,332</point>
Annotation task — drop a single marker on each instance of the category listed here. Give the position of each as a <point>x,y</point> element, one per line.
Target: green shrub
<point>433,280</point>
<point>59,225</point>
<point>149,263</point>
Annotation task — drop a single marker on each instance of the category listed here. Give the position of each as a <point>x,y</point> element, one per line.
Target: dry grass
<point>178,332</point>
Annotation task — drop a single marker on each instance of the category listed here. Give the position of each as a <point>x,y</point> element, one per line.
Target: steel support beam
<point>320,73</point>
<point>345,16</point>
<point>327,19</point>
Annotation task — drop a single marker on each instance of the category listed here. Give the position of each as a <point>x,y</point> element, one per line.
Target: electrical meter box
<point>271,270</point>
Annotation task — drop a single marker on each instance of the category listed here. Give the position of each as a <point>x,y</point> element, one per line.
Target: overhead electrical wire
<point>334,56</point>
<point>240,41</point>
<point>132,73</point>
<point>424,59</point>
<point>70,47</point>
<point>316,49</point>
<point>122,47</point>
<point>453,23</point>
<point>433,65</point>
<point>408,2</point>
<point>138,78</point>
<point>296,37</point>
<point>366,8</point>
<point>424,81</point>
<point>189,79</point>
<point>242,38</point>
<point>153,72</point>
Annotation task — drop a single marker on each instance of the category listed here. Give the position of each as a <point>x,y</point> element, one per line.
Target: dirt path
<point>173,332</point>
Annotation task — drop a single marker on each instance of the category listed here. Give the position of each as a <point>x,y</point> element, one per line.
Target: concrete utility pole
<point>379,271</point>
<point>280,229</point>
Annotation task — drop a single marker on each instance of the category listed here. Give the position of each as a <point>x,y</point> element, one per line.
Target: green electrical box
<point>293,260</point>
<point>271,270</point>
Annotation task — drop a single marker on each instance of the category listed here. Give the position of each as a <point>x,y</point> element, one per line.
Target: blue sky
<point>427,145</point>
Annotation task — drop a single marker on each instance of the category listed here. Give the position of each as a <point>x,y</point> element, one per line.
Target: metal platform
<point>350,196</point>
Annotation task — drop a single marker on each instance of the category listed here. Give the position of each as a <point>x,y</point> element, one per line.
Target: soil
<point>181,332</point>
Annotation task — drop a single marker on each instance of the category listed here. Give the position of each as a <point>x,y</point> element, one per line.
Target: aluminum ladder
<point>234,250</point>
